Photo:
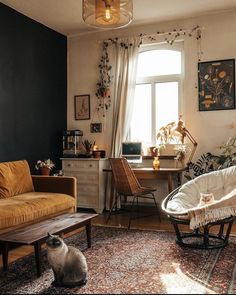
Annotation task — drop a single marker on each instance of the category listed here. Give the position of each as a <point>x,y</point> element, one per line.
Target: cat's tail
<point>73,284</point>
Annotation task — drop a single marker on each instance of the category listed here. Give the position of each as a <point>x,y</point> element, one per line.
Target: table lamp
<point>182,131</point>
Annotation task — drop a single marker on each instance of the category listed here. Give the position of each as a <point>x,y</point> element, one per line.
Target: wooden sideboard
<point>90,181</point>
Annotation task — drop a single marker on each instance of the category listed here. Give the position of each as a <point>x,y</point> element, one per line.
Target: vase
<point>156,163</point>
<point>44,171</point>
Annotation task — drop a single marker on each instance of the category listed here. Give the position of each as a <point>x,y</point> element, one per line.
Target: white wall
<point>210,129</point>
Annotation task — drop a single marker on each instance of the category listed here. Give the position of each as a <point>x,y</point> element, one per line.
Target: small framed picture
<point>96,127</point>
<point>82,107</point>
<point>216,85</point>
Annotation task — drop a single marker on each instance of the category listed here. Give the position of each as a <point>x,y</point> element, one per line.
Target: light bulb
<point>108,13</point>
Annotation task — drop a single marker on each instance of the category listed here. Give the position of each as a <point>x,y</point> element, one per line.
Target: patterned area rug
<point>124,261</point>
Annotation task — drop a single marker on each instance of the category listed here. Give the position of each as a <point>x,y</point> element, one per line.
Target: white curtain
<point>123,58</point>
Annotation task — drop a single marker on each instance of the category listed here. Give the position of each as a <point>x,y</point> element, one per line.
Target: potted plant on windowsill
<point>44,166</point>
<point>166,140</point>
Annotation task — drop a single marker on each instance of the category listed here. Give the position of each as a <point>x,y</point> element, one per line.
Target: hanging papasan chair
<point>203,225</point>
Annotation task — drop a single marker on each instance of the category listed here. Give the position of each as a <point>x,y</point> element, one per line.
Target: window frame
<point>177,46</point>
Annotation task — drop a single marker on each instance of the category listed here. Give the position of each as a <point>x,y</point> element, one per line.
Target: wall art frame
<point>82,107</point>
<point>216,85</point>
<point>96,127</point>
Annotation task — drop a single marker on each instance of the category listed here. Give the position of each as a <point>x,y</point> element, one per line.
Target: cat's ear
<point>49,235</point>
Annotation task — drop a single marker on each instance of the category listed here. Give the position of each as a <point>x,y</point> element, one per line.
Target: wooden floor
<point>118,219</point>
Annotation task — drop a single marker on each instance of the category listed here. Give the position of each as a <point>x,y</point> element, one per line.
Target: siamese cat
<point>68,263</point>
<point>206,199</point>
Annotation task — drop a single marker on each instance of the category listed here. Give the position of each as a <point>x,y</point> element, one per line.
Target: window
<point>157,94</point>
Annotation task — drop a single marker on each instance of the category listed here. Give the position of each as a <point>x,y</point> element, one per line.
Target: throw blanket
<point>220,209</point>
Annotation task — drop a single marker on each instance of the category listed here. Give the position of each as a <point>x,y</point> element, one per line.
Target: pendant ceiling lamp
<point>107,13</point>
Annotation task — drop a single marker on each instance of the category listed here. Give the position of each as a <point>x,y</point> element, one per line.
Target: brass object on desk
<point>156,163</point>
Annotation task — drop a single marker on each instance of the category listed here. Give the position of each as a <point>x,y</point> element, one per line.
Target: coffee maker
<point>72,140</point>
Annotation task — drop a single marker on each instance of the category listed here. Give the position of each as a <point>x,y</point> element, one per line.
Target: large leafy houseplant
<point>227,157</point>
<point>209,162</point>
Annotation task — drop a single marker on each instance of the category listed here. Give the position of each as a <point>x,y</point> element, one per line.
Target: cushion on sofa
<point>15,179</point>
<point>31,206</point>
<point>220,183</point>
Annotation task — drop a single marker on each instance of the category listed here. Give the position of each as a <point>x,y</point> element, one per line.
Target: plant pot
<point>168,150</point>
<point>96,154</point>
<point>152,151</point>
<point>44,171</point>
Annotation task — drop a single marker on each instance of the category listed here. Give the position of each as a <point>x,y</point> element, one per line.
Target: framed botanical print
<point>82,107</point>
<point>216,85</point>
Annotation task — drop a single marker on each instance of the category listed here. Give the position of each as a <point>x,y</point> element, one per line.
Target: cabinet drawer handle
<point>68,165</point>
<point>90,165</point>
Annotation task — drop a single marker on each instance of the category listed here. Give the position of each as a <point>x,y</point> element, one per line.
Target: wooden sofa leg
<point>5,249</point>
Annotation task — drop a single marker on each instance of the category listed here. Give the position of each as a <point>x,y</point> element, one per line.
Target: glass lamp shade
<point>107,13</point>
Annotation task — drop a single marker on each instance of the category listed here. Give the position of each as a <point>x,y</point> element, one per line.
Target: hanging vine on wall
<point>103,92</point>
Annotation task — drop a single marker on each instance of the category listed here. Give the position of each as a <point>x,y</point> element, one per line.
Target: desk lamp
<point>182,131</point>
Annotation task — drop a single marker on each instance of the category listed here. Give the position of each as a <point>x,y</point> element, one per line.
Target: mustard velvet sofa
<point>27,199</point>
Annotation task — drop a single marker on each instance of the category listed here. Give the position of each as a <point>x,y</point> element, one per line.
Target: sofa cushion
<point>32,206</point>
<point>15,179</point>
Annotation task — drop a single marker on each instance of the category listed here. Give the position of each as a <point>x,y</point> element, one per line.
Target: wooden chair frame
<point>127,185</point>
<point>205,239</point>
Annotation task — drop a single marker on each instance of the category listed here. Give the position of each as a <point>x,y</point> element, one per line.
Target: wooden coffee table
<point>37,234</point>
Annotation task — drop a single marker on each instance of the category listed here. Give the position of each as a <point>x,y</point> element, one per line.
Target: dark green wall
<point>33,89</point>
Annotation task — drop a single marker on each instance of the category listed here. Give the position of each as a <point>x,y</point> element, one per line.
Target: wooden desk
<point>150,173</point>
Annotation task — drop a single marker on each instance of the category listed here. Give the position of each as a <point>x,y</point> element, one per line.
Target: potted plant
<point>103,92</point>
<point>164,135</point>
<point>44,166</point>
<point>227,156</point>
<point>88,145</point>
<point>180,152</point>
<point>209,162</point>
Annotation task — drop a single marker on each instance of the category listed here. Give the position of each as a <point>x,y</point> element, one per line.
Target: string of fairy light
<point>169,37</point>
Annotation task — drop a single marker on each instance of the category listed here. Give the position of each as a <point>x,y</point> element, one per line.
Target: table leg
<point>37,252</point>
<point>170,182</point>
<point>179,179</point>
<point>112,192</point>
<point>5,255</point>
<point>88,232</point>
